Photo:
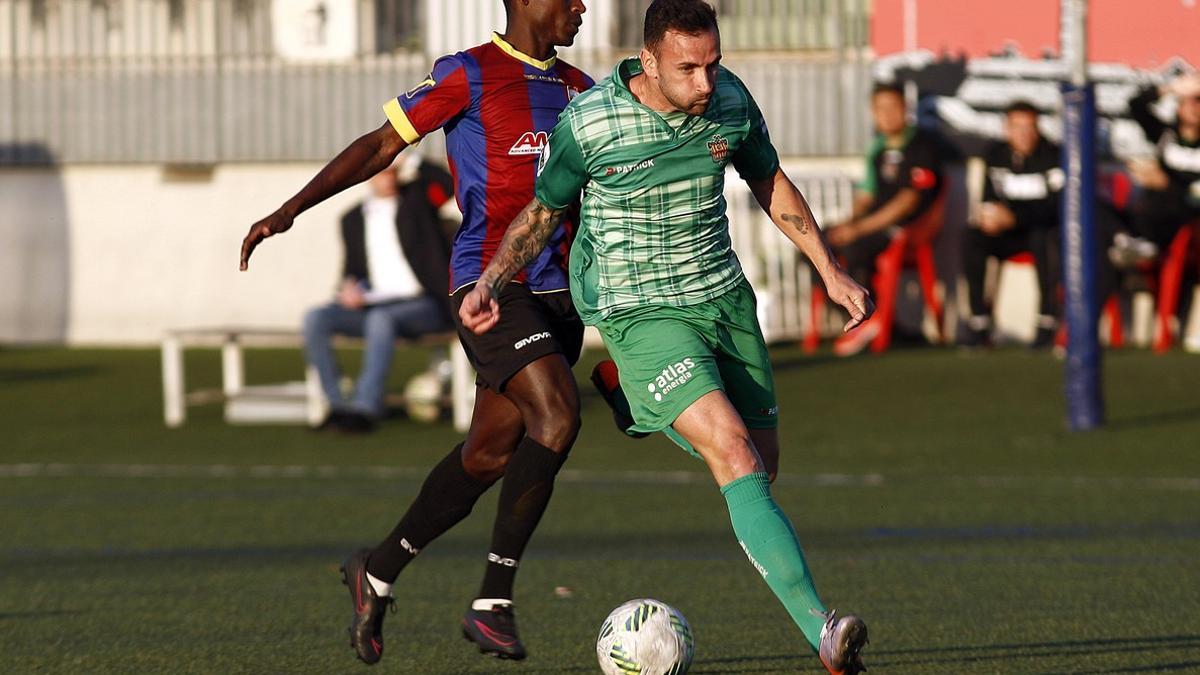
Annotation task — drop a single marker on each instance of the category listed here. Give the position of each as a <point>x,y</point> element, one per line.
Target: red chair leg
<point>887,279</point>
<point>927,272</point>
<point>1170,280</point>
<point>1116,332</point>
<point>812,339</point>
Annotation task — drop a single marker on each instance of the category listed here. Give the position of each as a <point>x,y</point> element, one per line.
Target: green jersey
<point>653,227</point>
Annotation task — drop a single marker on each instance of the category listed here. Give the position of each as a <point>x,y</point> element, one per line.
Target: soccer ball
<point>646,637</point>
<point>423,397</point>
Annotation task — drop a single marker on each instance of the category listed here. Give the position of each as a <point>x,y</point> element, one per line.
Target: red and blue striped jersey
<point>497,106</point>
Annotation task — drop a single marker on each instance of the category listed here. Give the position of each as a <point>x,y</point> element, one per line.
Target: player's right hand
<point>273,224</point>
<point>845,291</point>
<point>479,310</point>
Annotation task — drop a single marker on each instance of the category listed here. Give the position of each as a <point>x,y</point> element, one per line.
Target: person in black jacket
<point>1169,181</point>
<point>904,177</point>
<point>394,276</point>
<point>1019,212</point>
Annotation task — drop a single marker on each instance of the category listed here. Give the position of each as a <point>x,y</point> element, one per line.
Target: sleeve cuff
<point>399,120</point>
<point>540,195</point>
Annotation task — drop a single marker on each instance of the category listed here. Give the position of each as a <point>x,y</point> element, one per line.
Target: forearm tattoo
<point>523,241</point>
<point>801,223</point>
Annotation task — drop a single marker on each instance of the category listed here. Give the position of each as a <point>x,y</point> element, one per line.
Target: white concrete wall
<point>452,25</point>
<point>116,255</point>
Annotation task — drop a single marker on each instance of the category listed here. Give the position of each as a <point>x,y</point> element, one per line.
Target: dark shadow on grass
<point>949,535</point>
<point>23,375</point>
<point>693,544</point>
<point>758,663</point>
<point>1155,419</point>
<point>1035,650</point>
<point>40,614</point>
<point>1189,666</point>
<point>683,545</point>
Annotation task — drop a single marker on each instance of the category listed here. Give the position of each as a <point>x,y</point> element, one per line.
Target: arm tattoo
<point>523,241</point>
<point>799,222</point>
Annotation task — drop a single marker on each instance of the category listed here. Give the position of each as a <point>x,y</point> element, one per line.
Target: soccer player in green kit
<point>653,269</point>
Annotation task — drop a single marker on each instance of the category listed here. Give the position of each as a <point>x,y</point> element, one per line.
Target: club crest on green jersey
<point>718,148</point>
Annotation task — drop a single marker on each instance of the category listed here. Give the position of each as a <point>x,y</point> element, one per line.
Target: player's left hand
<point>855,299</point>
<point>479,310</point>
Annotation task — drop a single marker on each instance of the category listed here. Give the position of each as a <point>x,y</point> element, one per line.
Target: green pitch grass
<point>936,494</point>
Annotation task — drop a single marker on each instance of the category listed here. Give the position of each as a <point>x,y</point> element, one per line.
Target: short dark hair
<point>1021,107</point>
<point>690,17</point>
<point>887,88</point>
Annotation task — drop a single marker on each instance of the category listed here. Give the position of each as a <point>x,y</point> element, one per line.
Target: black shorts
<point>532,325</point>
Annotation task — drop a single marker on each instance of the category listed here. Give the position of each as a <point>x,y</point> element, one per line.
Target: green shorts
<point>670,356</point>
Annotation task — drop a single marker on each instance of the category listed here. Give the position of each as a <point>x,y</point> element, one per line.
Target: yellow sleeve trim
<point>399,120</point>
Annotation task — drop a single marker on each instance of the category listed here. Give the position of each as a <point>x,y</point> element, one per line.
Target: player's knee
<point>553,419</point>
<point>486,461</point>
<point>735,451</point>
<point>556,431</point>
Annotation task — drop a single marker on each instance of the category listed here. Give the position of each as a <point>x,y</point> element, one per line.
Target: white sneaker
<point>1191,344</point>
<point>1128,251</point>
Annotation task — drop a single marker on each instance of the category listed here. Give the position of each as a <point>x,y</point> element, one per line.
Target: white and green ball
<point>646,637</point>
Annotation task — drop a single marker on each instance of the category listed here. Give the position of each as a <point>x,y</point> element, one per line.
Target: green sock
<point>767,537</point>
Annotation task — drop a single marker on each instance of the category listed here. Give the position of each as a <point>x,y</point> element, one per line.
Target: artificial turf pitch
<point>936,494</point>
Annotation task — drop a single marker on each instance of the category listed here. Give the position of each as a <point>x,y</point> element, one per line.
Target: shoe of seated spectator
<point>1127,252</point>
<point>329,423</point>
<point>976,338</point>
<point>1191,344</point>
<point>856,340</point>
<point>353,422</point>
<point>1044,338</point>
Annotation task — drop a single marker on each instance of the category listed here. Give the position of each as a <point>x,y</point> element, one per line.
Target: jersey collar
<point>521,56</point>
<point>624,72</point>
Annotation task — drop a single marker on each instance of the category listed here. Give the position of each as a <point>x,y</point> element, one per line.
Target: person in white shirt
<point>394,285</point>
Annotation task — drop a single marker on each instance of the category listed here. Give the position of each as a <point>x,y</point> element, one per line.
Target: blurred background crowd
<point>139,138</point>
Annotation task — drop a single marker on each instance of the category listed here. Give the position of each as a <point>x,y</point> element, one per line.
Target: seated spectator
<point>904,177</point>
<point>1019,212</point>
<point>394,285</point>
<point>1169,182</point>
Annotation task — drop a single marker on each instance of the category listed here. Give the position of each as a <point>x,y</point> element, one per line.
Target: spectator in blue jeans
<point>395,284</point>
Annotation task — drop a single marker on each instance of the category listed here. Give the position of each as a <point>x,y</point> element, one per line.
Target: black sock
<point>448,495</point>
<point>528,484</point>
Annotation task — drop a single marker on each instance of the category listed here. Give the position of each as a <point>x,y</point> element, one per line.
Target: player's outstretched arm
<point>365,157</point>
<point>778,196</point>
<point>523,241</point>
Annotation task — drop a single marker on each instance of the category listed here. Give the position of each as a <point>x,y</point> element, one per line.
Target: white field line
<point>52,470</point>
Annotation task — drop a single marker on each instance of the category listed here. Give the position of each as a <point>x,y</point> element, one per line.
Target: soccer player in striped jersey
<point>497,103</point>
<point>652,267</point>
